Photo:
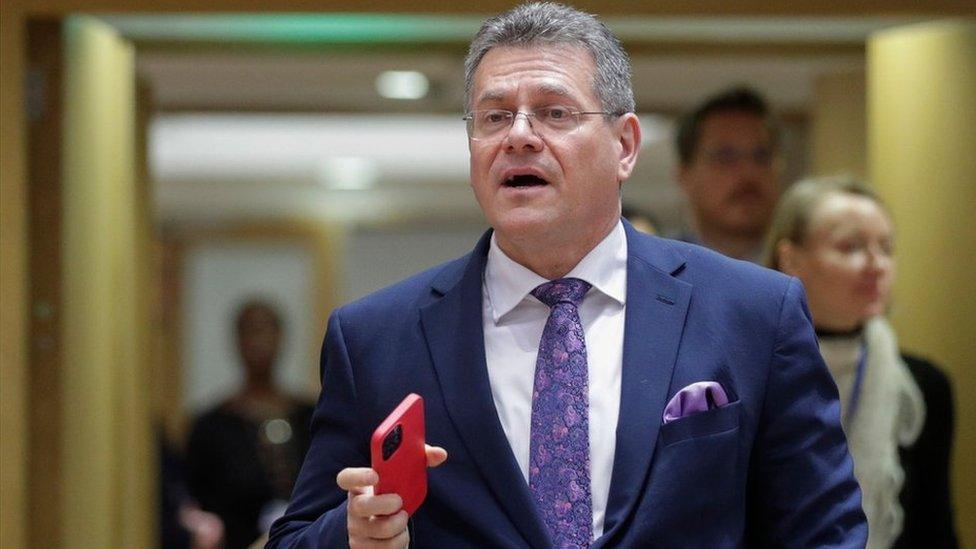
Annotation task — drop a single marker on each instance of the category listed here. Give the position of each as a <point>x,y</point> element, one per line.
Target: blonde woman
<point>837,238</point>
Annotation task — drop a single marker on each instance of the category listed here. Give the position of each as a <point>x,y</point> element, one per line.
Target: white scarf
<point>890,413</point>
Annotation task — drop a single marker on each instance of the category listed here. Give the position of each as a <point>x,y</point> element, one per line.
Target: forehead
<point>510,72</point>
<point>734,126</point>
<point>846,212</point>
<point>257,314</point>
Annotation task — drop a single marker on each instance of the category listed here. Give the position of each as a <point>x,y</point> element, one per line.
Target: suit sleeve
<point>316,516</point>
<point>802,487</point>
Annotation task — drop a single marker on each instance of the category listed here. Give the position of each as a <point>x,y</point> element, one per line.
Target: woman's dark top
<point>925,497</point>
<point>234,470</point>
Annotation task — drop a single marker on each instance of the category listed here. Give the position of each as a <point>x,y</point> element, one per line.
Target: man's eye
<point>494,117</point>
<point>555,114</point>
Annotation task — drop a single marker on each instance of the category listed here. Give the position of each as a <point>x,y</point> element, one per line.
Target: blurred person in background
<point>243,456</point>
<point>729,171</point>
<point>182,524</point>
<point>642,220</point>
<point>837,238</point>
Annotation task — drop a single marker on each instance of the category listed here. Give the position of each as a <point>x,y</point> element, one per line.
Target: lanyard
<point>862,363</point>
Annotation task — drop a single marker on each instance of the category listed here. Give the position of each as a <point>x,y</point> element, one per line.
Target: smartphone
<point>398,456</point>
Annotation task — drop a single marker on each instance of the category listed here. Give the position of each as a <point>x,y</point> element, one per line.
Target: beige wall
<point>838,126</point>
<point>108,460</point>
<point>13,289</point>
<point>922,158</point>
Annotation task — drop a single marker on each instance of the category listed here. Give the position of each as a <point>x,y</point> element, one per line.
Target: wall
<point>377,257</point>
<point>922,159</point>
<point>219,277</point>
<point>108,454</point>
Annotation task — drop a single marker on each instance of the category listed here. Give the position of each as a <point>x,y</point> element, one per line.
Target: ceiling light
<point>348,173</point>
<point>402,84</point>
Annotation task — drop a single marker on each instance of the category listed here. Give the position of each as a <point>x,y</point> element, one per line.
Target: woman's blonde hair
<point>791,220</point>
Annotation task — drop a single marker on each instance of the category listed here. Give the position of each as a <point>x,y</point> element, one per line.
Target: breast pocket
<point>701,424</point>
<point>697,470</point>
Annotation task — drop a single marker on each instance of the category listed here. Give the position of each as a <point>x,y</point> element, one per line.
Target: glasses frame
<point>727,157</point>
<point>469,120</point>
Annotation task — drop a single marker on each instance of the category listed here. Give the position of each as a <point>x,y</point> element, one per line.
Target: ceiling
<point>255,112</point>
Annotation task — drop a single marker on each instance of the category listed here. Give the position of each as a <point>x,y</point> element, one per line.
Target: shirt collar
<point>507,283</point>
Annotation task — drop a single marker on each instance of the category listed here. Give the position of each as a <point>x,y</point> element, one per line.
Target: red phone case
<point>405,471</point>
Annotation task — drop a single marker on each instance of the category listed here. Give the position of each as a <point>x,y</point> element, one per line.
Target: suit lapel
<point>455,337</point>
<point>657,304</point>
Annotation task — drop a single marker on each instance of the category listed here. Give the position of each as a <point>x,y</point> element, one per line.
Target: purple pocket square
<point>697,397</point>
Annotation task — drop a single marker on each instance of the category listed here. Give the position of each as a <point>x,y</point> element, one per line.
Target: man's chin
<point>523,223</point>
<point>746,224</point>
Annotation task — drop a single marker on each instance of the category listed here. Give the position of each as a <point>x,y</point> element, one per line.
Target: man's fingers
<point>365,506</point>
<point>435,455</point>
<point>399,541</point>
<point>355,479</point>
<point>377,530</point>
<point>388,527</point>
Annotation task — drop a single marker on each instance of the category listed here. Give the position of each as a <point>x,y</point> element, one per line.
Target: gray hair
<point>547,23</point>
<point>791,221</point>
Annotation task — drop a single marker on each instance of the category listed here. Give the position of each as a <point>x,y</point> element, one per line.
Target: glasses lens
<point>488,123</point>
<point>557,118</point>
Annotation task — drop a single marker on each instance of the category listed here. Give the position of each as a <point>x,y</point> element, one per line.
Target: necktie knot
<point>563,290</point>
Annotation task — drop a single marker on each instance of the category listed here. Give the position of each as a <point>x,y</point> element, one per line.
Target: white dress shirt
<point>513,323</point>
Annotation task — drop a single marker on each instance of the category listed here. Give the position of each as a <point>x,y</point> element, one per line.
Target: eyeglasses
<point>488,124</point>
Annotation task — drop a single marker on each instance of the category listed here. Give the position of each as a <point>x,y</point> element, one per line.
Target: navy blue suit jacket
<point>769,469</point>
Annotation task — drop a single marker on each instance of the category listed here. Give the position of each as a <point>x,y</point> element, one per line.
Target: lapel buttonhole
<point>665,300</point>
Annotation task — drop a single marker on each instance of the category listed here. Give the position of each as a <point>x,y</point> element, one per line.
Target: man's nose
<point>521,135</point>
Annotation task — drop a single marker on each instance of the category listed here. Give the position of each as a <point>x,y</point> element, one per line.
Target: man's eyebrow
<point>554,89</point>
<point>546,88</point>
<point>491,95</point>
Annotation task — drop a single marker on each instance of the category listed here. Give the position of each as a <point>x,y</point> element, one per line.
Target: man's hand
<point>377,521</point>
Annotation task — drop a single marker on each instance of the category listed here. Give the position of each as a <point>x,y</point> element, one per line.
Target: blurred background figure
<point>728,169</point>
<point>835,235</point>
<point>182,524</point>
<point>244,455</point>
<point>641,220</point>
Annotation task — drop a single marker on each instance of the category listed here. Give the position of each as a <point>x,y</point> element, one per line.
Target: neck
<point>551,259</point>
<point>836,326</point>
<point>259,387</point>
<point>735,246</point>
<point>823,332</point>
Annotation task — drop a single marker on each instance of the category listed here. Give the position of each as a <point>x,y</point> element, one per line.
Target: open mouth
<point>519,181</point>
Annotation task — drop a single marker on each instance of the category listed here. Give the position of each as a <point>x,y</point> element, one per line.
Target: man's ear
<point>630,142</point>
<point>787,257</point>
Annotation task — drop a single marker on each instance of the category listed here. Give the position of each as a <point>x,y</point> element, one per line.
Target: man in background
<point>642,220</point>
<point>729,170</point>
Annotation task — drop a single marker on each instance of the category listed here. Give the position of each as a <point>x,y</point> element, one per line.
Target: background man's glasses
<point>728,157</point>
<point>488,124</point>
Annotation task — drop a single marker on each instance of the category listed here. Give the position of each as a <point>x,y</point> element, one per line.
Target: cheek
<point>772,191</point>
<point>481,157</point>
<point>715,187</point>
<point>836,270</point>
<point>479,174</point>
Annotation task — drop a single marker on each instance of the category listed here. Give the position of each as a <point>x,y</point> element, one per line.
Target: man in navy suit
<point>590,384</point>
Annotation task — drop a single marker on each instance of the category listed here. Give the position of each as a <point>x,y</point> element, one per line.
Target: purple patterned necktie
<point>559,448</point>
